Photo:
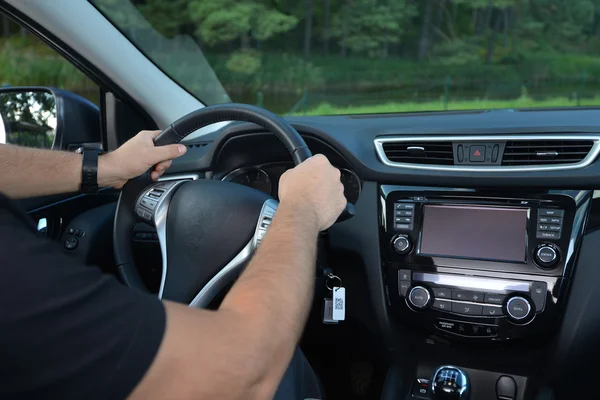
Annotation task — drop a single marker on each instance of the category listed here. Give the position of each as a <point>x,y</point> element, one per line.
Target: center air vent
<point>437,153</point>
<point>545,152</point>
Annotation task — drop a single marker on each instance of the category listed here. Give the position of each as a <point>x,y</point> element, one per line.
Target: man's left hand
<point>134,158</point>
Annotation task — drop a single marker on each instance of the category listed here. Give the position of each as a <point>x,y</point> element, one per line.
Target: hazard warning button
<point>477,153</point>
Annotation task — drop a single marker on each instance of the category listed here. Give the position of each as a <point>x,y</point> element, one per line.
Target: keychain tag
<point>339,303</point>
<point>328,312</point>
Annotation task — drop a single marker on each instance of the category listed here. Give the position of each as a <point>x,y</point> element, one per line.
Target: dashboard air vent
<point>544,152</point>
<point>425,152</point>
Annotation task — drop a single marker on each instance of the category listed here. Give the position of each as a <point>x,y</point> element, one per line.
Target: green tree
<point>166,16</point>
<point>368,27</point>
<point>221,21</point>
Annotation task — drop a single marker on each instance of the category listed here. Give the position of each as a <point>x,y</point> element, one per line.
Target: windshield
<point>371,56</point>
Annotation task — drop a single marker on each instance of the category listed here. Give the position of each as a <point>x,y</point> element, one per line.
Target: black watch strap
<point>89,171</point>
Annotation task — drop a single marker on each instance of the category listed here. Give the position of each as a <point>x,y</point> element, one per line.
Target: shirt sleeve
<point>67,330</point>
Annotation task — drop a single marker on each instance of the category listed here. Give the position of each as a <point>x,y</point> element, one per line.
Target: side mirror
<point>50,118</point>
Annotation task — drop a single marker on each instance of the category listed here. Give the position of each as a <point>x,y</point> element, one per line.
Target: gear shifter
<point>450,383</point>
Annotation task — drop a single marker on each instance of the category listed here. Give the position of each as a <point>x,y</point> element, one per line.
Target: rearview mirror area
<point>28,117</point>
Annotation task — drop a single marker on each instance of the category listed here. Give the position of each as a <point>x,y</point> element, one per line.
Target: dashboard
<point>266,177</point>
<point>475,235</point>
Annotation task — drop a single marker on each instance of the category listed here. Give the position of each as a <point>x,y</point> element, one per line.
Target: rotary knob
<point>546,256</point>
<point>419,297</point>
<point>402,244</point>
<point>518,308</point>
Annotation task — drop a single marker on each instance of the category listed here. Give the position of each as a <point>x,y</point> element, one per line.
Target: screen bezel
<point>471,205</point>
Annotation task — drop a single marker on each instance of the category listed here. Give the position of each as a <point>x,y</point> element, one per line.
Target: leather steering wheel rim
<point>125,217</point>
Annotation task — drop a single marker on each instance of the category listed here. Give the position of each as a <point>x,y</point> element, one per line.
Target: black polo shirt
<point>67,331</point>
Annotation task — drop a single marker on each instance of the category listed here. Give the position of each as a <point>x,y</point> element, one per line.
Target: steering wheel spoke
<point>227,275</point>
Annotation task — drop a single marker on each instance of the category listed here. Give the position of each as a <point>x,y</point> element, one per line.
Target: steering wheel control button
<point>492,298</point>
<point>403,287</point>
<point>546,256</point>
<point>491,311</point>
<point>538,295</point>
<point>419,297</point>
<point>467,308</point>
<point>402,244</point>
<point>71,243</point>
<point>148,203</point>
<point>518,308</point>
<point>442,305</point>
<point>442,293</point>
<point>477,153</point>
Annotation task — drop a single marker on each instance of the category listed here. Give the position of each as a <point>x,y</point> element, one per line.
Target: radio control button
<point>403,287</point>
<point>467,309</point>
<point>404,213</point>
<point>548,235</point>
<point>538,295</point>
<point>442,293</point>
<point>493,298</point>
<point>419,297</point>
<point>404,206</point>
<point>550,212</point>
<point>491,311</point>
<point>442,305</point>
<point>403,220</point>
<point>518,308</point>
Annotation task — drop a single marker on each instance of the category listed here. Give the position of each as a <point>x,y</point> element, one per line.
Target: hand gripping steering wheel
<point>207,229</point>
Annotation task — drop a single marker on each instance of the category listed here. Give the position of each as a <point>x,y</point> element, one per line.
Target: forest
<point>357,56</point>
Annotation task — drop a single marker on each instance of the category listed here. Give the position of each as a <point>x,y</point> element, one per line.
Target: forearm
<point>273,295</point>
<point>27,172</point>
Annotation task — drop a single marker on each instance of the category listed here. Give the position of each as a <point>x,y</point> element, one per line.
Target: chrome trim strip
<point>177,177</point>
<point>470,282</point>
<point>230,271</point>
<point>594,151</point>
<point>160,221</point>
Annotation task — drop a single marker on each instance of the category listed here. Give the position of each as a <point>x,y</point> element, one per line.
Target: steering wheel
<point>207,229</point>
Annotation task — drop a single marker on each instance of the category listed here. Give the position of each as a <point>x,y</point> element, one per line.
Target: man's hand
<point>314,187</point>
<point>134,158</point>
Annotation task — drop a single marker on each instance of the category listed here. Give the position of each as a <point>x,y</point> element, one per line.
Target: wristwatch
<point>89,171</point>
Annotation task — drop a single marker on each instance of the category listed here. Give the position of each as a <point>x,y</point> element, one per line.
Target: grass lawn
<point>522,102</point>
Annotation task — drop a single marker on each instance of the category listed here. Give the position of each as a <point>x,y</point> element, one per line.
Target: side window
<point>28,117</point>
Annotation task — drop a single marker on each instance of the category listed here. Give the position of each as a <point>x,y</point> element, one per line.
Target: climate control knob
<point>546,256</point>
<point>518,308</point>
<point>419,297</point>
<point>402,244</point>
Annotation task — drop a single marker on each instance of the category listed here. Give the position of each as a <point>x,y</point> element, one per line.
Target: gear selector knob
<point>450,383</point>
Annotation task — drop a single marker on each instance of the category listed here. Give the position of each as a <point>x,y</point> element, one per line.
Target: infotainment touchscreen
<point>487,233</point>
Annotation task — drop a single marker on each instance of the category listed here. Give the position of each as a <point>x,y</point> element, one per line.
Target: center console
<point>477,265</point>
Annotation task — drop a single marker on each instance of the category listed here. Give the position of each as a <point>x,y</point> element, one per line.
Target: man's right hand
<point>314,189</point>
